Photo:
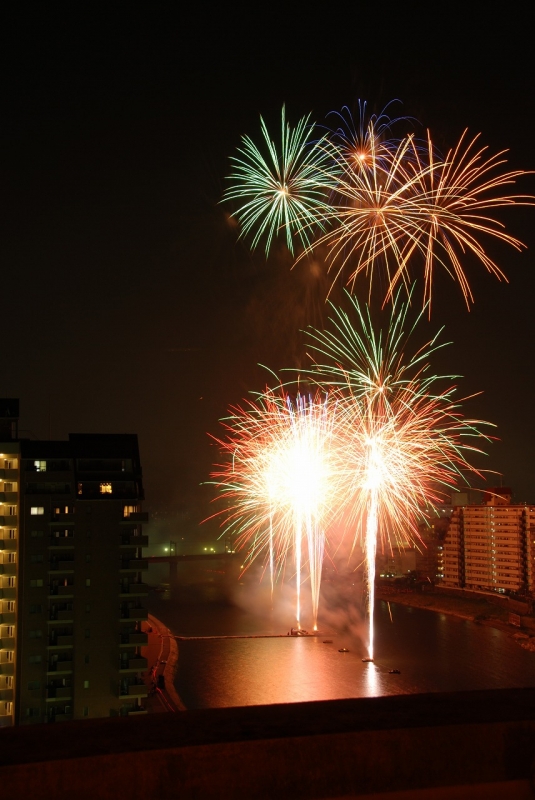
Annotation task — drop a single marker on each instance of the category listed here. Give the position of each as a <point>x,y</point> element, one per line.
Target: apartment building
<point>490,546</point>
<point>73,598</point>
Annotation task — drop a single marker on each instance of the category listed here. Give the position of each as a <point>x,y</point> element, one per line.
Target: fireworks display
<point>367,453</point>
<point>362,459</point>
<point>379,204</point>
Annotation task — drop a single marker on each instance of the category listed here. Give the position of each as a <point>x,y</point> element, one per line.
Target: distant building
<point>72,595</point>
<point>397,562</point>
<point>490,546</point>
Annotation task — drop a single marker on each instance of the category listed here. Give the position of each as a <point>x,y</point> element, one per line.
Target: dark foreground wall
<point>339,748</point>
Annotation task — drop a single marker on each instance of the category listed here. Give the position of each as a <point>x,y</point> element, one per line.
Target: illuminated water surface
<point>434,653</point>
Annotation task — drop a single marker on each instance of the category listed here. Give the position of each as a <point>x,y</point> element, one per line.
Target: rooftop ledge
<point>341,748</point>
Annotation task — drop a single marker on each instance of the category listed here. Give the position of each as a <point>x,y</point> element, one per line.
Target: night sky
<point>127,303</point>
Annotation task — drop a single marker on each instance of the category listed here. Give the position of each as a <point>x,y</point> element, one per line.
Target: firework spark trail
<point>280,480</point>
<point>405,442</point>
<point>371,552</point>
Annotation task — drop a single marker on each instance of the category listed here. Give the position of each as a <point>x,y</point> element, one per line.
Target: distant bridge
<point>232,562</point>
<point>178,559</point>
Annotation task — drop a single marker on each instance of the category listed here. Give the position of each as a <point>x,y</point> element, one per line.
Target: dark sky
<point>128,306</point>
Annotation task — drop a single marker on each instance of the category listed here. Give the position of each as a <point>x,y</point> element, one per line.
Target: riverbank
<point>465,608</point>
<point>475,610</point>
<point>162,658</point>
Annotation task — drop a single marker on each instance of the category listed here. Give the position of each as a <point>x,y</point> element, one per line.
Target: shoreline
<point>166,666</point>
<point>479,611</point>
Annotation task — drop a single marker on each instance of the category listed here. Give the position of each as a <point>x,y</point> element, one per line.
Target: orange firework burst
<point>395,206</point>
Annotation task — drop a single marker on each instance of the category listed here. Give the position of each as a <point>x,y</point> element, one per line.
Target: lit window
<point>36,511</point>
<point>86,684</point>
<point>105,488</point>
<point>40,466</point>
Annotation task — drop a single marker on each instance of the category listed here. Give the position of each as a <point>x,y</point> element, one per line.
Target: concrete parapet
<point>426,745</point>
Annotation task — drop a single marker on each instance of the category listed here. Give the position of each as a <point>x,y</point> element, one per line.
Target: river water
<point>434,653</point>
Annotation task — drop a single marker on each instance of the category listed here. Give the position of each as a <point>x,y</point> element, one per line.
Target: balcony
<point>7,642</point>
<point>9,474</point>
<point>8,569</point>
<point>6,695</point>
<point>136,517</point>
<point>62,591</point>
<point>134,690</point>
<point>137,664</point>
<point>59,692</point>
<point>64,542</point>
<point>62,566</point>
<point>140,589</point>
<point>61,640</point>
<point>8,544</point>
<point>8,593</point>
<point>8,618</point>
<point>9,497</point>
<point>7,668</point>
<point>134,613</point>
<point>131,540</point>
<point>9,522</point>
<point>137,638</point>
<point>59,666</point>
<point>64,519</point>
<point>134,565</point>
<point>61,615</point>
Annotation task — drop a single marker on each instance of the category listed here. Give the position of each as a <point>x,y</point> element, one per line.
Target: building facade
<point>72,594</point>
<point>490,546</point>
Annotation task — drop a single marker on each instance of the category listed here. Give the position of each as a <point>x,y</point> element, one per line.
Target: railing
<point>60,666</point>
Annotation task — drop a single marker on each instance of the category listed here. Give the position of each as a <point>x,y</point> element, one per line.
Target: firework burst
<point>396,207</point>
<point>381,205</point>
<point>282,188</point>
<point>279,480</point>
<point>405,441</point>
